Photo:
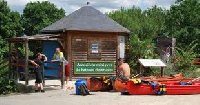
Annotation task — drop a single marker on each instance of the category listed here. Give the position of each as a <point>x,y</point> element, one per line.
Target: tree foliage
<point>9,21</point>
<point>145,27</point>
<point>183,22</point>
<point>183,61</point>
<point>146,24</point>
<point>38,15</point>
<point>9,26</point>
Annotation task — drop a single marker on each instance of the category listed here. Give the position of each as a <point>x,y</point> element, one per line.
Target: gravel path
<point>56,96</point>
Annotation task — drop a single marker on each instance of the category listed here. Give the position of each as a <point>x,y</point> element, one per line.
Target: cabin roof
<point>86,18</point>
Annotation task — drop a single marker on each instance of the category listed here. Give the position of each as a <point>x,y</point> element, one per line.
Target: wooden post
<point>63,75</point>
<point>117,53</point>
<point>26,63</point>
<point>162,72</point>
<point>69,53</point>
<point>140,70</point>
<point>43,80</point>
<point>16,72</point>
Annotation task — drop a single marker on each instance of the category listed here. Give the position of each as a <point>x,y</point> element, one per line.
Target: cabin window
<point>95,48</point>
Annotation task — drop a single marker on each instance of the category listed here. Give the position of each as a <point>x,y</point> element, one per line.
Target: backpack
<point>83,90</point>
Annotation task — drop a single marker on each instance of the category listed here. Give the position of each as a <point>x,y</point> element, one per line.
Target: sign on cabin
<point>87,67</point>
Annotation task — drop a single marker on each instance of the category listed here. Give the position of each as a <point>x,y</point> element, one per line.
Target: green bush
<point>183,61</point>
<point>140,49</point>
<point>7,86</point>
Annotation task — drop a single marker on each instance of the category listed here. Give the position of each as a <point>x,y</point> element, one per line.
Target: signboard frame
<point>94,67</point>
<point>152,63</point>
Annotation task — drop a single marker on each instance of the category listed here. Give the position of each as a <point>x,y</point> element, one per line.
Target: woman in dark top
<point>38,63</point>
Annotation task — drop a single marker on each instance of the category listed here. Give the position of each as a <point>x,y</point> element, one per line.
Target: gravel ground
<point>56,96</point>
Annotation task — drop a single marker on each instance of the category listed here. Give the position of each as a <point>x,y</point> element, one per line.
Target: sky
<point>103,5</point>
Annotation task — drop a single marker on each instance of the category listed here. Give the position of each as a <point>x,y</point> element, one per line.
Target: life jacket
<point>161,88</point>
<point>136,81</point>
<point>106,80</point>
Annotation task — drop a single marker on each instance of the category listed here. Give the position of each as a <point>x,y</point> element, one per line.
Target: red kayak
<point>167,87</point>
<point>121,86</point>
<point>177,78</point>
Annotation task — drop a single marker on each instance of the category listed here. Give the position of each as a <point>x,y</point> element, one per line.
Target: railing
<point>61,66</point>
<point>61,70</point>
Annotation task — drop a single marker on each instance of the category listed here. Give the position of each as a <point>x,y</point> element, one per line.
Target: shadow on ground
<point>31,88</point>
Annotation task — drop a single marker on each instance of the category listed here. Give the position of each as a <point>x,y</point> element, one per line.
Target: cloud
<point>144,4</point>
<point>18,5</point>
<point>102,5</point>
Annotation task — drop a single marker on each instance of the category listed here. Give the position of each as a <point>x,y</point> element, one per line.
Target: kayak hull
<point>172,88</point>
<point>119,85</point>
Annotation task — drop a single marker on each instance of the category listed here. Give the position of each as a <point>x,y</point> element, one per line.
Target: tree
<point>145,26</point>
<point>38,15</point>
<point>9,26</point>
<point>183,61</point>
<point>9,21</point>
<point>183,22</point>
<point>154,22</point>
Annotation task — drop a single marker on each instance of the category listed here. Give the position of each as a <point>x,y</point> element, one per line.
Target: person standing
<point>58,56</point>
<point>38,63</point>
<point>166,54</point>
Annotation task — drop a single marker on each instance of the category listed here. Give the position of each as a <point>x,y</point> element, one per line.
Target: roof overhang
<point>38,37</point>
<point>61,31</point>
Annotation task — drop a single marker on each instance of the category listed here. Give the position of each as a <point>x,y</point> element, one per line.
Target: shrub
<point>7,86</point>
<point>140,49</point>
<point>183,61</point>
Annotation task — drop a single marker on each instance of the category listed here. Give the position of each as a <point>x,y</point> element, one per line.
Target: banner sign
<point>91,67</point>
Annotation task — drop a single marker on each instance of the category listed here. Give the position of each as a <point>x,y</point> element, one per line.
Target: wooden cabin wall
<point>81,44</point>
<point>78,44</point>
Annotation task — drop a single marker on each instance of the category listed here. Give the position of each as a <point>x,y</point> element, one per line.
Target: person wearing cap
<point>38,64</point>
